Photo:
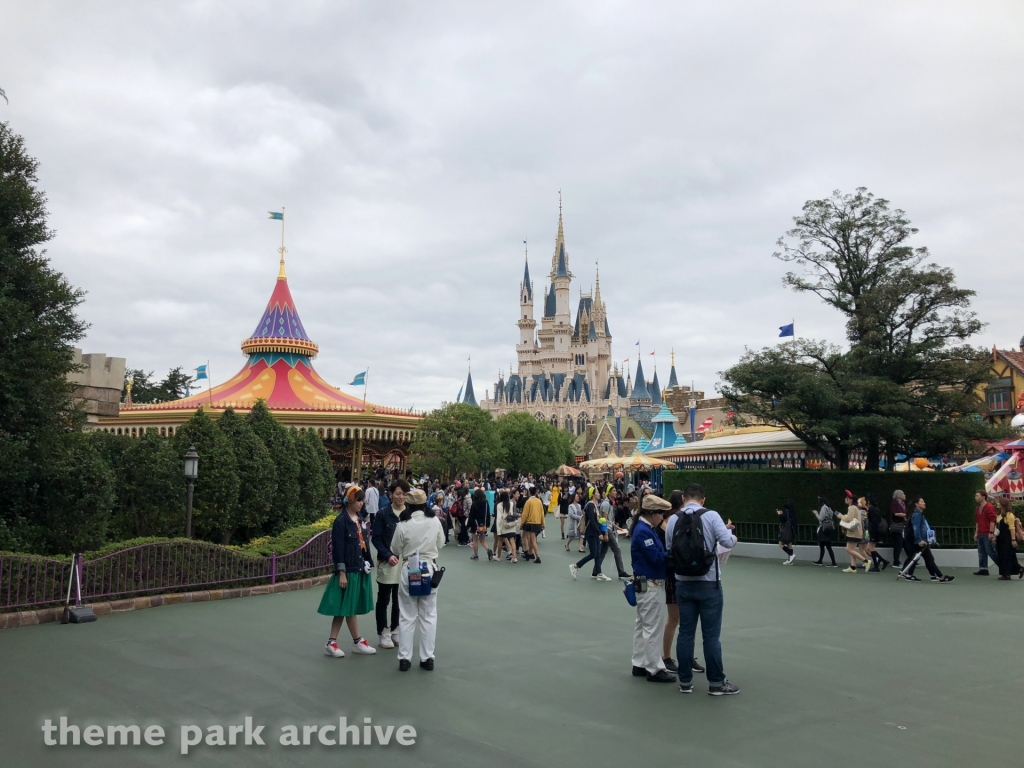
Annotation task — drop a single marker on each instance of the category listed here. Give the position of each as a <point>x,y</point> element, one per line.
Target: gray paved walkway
<point>533,670</point>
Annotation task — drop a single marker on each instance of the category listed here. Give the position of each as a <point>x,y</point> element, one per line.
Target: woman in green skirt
<point>349,594</point>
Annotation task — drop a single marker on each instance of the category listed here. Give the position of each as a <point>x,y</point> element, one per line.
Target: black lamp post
<point>191,473</point>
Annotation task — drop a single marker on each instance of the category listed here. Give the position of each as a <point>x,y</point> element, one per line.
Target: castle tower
<point>526,349</point>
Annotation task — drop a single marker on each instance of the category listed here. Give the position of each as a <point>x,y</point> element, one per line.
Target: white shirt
<point>418,534</point>
<point>372,503</point>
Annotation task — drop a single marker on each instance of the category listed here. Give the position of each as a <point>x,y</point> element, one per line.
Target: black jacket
<point>479,513</point>
<point>346,551</point>
<point>384,523</point>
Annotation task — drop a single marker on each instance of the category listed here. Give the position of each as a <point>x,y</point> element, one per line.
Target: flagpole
<point>366,375</point>
<point>209,383</point>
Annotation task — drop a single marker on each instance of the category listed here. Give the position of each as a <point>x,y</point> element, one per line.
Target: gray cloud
<point>416,145</point>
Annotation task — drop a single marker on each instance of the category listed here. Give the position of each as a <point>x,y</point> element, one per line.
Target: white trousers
<point>651,614</point>
<point>416,612</point>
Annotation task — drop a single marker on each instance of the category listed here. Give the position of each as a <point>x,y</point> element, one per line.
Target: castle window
<point>568,424</point>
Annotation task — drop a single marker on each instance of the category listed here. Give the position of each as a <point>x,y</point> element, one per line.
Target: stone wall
<point>99,384</point>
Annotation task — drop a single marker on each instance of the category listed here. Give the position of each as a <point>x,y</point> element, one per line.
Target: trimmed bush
<point>753,496</point>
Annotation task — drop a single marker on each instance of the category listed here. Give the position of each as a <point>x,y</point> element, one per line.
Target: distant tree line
<point>459,438</point>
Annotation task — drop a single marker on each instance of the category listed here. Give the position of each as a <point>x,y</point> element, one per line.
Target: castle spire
<point>673,381</point>
<point>560,259</point>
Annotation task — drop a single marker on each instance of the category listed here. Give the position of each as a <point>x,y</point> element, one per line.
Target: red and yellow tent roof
<point>279,370</point>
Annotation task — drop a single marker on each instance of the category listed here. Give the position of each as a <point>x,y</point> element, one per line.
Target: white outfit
<point>424,535</point>
<point>651,613</point>
<point>371,503</point>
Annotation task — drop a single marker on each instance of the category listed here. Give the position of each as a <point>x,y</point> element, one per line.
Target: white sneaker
<point>364,647</point>
<point>792,559</point>
<point>573,569</point>
<point>332,649</point>
<point>602,577</point>
<point>385,641</point>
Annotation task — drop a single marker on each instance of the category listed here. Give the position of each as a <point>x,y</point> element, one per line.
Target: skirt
<point>533,528</point>
<point>355,600</point>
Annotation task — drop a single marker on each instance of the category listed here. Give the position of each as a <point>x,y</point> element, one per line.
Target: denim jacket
<point>384,523</point>
<point>346,551</point>
<point>920,526</point>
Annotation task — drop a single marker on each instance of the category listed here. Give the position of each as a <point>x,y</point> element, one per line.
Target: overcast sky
<point>416,145</point>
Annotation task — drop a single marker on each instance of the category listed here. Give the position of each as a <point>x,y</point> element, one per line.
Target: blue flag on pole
<point>359,380</point>
<point>276,215</point>
<point>201,373</point>
<point>786,330</point>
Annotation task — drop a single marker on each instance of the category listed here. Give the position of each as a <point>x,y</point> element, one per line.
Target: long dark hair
<point>504,499</point>
<point>426,509</point>
<point>676,500</point>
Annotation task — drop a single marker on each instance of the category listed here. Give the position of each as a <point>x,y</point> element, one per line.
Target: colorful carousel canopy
<point>279,370</point>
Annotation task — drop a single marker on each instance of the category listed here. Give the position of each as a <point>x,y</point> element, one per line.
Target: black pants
<point>463,531</point>
<point>613,545</point>
<point>387,593</point>
<point>897,546</point>
<point>822,546</point>
<point>595,554</point>
<point>929,562</point>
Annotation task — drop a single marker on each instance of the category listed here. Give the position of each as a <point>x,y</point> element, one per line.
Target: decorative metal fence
<point>169,566</point>
<point>951,537</point>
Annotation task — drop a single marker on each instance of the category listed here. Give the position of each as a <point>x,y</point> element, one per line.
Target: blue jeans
<point>702,600</point>
<point>986,549</point>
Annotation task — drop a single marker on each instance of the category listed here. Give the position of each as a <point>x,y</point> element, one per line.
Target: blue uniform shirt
<point>647,551</point>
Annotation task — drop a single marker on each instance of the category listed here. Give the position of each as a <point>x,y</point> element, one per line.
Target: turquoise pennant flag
<point>276,215</point>
<point>359,380</point>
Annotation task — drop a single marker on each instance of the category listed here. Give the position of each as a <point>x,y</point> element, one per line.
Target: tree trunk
<point>225,538</point>
<point>872,456</point>
<point>842,458</point>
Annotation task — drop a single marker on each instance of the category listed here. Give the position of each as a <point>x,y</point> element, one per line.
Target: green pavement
<point>533,670</point>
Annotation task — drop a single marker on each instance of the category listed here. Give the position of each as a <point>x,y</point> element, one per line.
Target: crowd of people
<point>678,548</point>
<point>397,531</point>
<point>869,532</point>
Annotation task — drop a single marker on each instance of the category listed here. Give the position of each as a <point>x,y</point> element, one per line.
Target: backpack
<point>690,555</point>
<point>828,522</point>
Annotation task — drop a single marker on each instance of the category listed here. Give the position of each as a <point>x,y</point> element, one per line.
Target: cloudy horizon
<point>416,146</point>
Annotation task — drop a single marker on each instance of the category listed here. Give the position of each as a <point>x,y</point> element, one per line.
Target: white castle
<point>565,375</point>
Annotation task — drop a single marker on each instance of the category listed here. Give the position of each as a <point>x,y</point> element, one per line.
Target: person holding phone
<point>349,593</point>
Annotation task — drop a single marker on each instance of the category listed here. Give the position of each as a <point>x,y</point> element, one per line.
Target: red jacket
<point>985,515</point>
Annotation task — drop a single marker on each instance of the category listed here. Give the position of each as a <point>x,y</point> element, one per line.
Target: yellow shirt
<point>533,512</point>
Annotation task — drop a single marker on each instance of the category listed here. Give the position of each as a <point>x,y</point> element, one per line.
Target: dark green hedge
<point>753,495</point>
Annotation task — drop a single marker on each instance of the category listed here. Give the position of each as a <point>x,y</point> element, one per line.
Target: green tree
<point>284,456</point>
<point>256,475</point>
<point>453,439</point>
<point>215,500</point>
<point>149,485</point>
<point>74,498</point>
<point>316,476</point>
<point>909,379</point>
<point>529,446</point>
<point>175,386</point>
<point>38,328</point>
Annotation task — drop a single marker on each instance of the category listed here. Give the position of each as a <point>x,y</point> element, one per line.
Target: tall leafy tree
<point>284,456</point>
<point>38,330</point>
<point>529,446</point>
<point>257,479</point>
<point>453,439</point>
<point>909,379</point>
<point>149,486</point>
<point>215,500</point>
<point>316,476</point>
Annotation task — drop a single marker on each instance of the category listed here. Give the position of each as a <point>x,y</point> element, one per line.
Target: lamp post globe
<point>191,473</point>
